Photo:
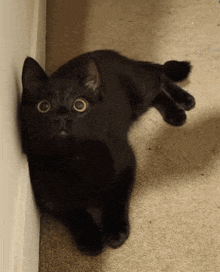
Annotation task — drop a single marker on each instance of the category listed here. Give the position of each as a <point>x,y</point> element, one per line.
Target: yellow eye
<point>80,105</point>
<point>43,106</point>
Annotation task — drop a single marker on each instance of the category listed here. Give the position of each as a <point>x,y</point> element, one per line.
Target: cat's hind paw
<point>187,102</point>
<point>176,118</point>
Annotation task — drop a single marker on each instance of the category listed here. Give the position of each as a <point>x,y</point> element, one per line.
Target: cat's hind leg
<point>172,103</point>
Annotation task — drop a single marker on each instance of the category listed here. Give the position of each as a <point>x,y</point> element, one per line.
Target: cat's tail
<point>173,69</point>
<point>177,70</point>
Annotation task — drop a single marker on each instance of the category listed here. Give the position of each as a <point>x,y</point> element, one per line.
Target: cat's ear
<point>93,77</point>
<point>33,76</point>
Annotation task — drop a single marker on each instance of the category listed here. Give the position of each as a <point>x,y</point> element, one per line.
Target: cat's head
<point>71,104</point>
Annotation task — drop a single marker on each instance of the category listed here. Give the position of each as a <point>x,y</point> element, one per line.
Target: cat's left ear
<point>93,77</point>
<point>33,76</point>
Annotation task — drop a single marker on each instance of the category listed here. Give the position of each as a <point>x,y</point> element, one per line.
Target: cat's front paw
<point>90,243</point>
<point>116,236</point>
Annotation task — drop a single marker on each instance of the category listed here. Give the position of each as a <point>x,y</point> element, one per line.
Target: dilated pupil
<point>44,106</point>
<point>79,105</point>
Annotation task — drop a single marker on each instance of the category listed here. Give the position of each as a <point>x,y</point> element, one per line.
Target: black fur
<point>81,160</point>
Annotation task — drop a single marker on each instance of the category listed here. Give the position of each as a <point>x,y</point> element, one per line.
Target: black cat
<point>74,127</point>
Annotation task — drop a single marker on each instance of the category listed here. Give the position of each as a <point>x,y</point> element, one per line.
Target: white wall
<point>22,33</point>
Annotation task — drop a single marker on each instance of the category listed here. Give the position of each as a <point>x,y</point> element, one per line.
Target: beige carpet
<point>175,208</point>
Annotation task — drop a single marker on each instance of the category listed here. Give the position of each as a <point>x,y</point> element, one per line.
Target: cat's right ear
<point>93,77</point>
<point>33,76</point>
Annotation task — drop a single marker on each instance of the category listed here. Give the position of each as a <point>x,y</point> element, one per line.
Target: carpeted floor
<point>175,207</point>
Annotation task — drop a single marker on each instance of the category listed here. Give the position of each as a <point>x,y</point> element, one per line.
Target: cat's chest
<point>77,181</point>
<point>85,168</point>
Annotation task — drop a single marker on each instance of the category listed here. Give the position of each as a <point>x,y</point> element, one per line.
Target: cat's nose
<point>62,110</point>
<point>63,122</point>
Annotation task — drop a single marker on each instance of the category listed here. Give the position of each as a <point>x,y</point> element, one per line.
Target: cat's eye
<point>80,105</point>
<point>43,106</point>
